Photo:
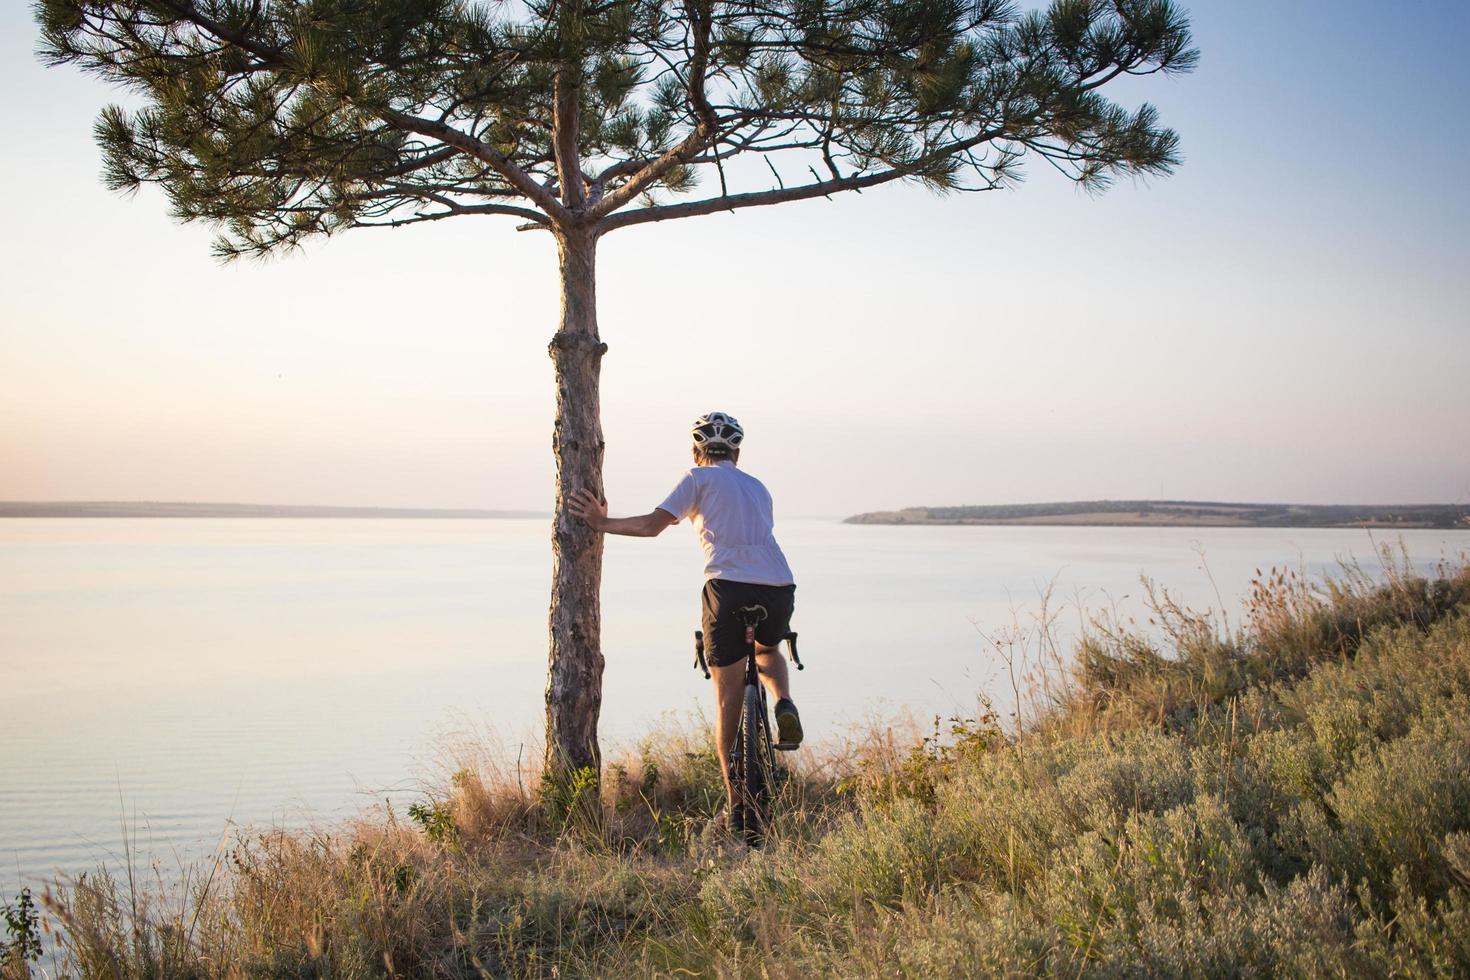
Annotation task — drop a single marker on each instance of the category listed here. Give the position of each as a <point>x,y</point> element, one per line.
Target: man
<point>743,566</point>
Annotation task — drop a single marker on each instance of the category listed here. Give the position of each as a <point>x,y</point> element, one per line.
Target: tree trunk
<point>574,681</point>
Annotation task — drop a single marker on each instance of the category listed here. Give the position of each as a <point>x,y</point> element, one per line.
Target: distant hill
<point>148,508</point>
<point>1181,513</point>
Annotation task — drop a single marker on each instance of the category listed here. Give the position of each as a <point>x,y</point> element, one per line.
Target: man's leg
<point>729,698</point>
<point>772,667</point>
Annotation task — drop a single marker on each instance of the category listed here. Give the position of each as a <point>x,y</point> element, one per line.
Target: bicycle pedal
<point>787,746</point>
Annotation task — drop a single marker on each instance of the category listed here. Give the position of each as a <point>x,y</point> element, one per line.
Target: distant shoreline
<point>1182,513</point>
<point>148,508</point>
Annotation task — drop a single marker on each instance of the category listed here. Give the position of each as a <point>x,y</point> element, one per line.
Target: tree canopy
<point>279,120</point>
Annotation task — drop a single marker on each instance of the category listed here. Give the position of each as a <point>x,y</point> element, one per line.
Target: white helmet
<point>718,432</point>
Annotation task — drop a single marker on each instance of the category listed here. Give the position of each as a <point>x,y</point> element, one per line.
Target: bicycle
<point>753,757</point>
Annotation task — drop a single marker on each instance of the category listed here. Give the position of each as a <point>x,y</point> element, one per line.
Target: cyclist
<point>743,566</point>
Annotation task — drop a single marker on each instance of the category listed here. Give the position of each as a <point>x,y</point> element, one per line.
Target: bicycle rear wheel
<point>754,778</point>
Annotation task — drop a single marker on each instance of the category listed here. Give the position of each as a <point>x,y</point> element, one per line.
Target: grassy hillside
<point>1290,797</point>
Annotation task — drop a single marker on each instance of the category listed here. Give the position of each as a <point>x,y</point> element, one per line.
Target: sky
<point>1286,318</point>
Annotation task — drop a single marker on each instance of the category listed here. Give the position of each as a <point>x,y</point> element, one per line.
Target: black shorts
<point>724,633</point>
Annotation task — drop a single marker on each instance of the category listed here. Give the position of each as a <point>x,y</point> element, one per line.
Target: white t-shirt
<point>732,515</point>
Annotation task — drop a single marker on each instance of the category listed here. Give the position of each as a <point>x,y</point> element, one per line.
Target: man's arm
<point>593,513</point>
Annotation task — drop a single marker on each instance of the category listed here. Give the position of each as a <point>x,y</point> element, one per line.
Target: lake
<point>162,681</point>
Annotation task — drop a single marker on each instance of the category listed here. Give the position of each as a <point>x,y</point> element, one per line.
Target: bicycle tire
<point>753,763</point>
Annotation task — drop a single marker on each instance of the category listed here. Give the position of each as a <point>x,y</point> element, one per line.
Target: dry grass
<point>1292,796</point>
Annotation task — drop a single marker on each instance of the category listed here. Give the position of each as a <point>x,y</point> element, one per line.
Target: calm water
<point>163,680</point>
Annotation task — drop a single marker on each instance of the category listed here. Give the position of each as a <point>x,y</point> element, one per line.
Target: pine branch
<point>566,119</point>
<point>502,164</point>
<point>818,188</point>
<point>454,211</point>
<point>700,137</point>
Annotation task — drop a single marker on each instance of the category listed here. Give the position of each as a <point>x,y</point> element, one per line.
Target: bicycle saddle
<point>750,615</point>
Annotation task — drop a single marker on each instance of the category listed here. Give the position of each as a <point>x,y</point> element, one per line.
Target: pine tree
<point>280,120</point>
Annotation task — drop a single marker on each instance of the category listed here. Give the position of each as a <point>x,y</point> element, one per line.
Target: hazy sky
<point>1284,319</point>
